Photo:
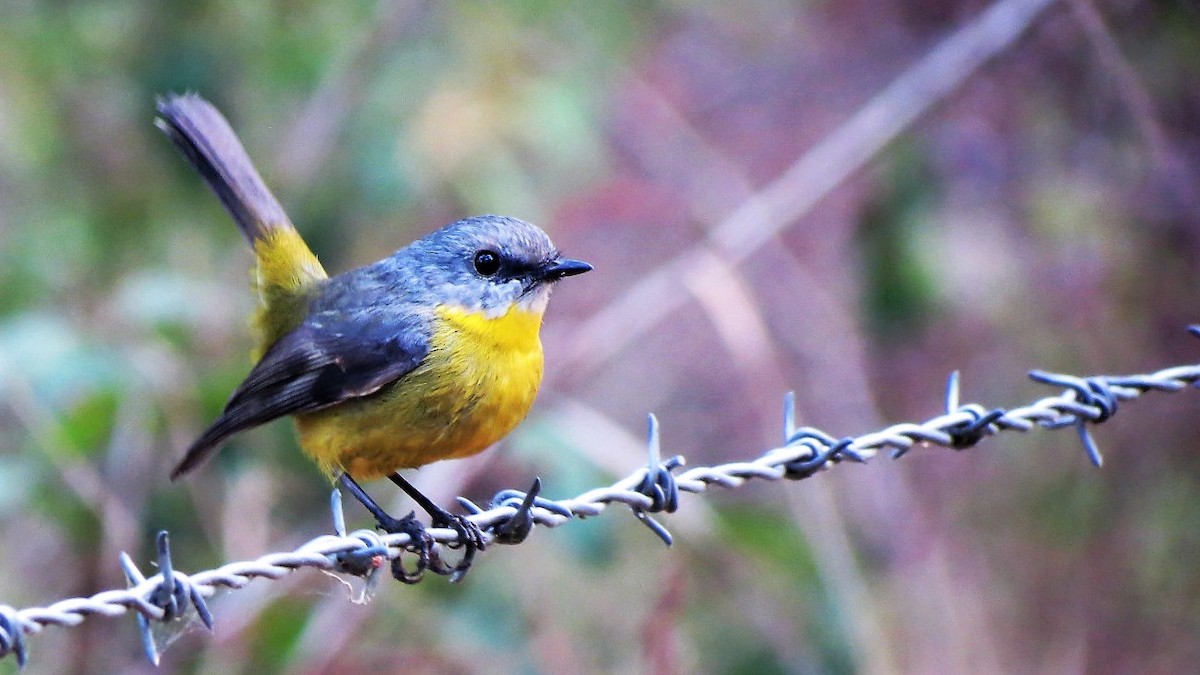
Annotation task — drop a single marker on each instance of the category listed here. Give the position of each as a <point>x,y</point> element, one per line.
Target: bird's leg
<point>470,536</point>
<point>385,521</point>
<point>419,540</point>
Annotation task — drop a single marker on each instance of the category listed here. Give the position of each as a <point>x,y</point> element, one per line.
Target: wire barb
<point>979,423</point>
<point>506,498</point>
<point>658,484</point>
<point>1094,402</point>
<point>821,448</point>
<point>364,562</point>
<point>171,598</point>
<point>804,468</point>
<point>12,635</point>
<point>515,528</point>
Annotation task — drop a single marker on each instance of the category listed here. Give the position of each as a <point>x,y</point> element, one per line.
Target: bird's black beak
<point>562,267</point>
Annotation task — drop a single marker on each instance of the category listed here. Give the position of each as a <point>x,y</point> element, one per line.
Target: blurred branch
<point>1175,173</point>
<point>790,196</point>
<point>172,596</point>
<point>314,133</point>
<point>1129,85</point>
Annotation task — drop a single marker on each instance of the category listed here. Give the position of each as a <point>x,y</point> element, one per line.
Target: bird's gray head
<point>490,263</point>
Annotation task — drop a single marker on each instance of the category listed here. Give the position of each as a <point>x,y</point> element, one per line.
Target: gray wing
<point>313,367</point>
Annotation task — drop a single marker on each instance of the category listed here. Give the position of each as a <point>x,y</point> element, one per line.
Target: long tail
<point>287,271</point>
<point>211,146</point>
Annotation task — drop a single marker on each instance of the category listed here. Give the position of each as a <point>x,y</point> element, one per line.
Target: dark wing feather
<point>306,370</point>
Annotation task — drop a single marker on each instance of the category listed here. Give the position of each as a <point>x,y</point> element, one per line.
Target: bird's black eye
<point>487,263</point>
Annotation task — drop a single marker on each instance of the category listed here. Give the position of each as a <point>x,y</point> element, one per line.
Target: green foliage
<point>898,280</point>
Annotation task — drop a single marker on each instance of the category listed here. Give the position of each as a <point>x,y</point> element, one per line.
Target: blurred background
<point>752,234</point>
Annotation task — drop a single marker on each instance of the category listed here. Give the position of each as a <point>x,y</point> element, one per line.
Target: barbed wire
<point>173,596</point>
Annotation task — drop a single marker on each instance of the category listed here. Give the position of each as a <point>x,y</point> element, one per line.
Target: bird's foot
<point>470,540</point>
<point>419,542</point>
<point>470,537</point>
<point>428,553</point>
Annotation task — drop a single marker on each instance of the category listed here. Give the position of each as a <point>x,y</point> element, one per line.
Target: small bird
<point>431,353</point>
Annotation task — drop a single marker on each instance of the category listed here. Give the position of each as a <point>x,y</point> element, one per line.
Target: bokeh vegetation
<point>1047,215</point>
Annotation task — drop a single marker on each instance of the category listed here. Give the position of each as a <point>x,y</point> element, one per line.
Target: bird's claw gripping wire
<point>384,522</point>
<point>1095,402</point>
<point>470,540</point>
<point>658,484</point>
<point>429,558</point>
<point>470,537</point>
<point>12,635</point>
<point>174,595</point>
<point>421,543</point>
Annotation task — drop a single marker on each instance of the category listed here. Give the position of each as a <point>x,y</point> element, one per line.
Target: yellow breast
<point>478,381</point>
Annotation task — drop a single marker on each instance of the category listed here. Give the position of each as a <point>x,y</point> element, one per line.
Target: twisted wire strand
<point>652,488</point>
